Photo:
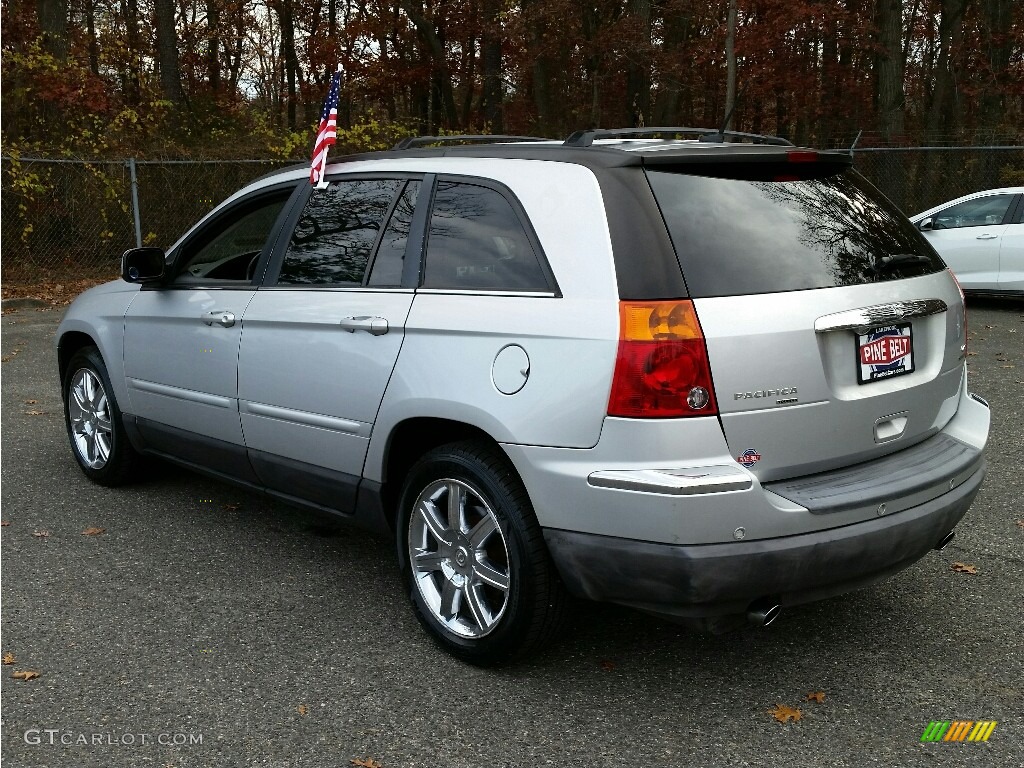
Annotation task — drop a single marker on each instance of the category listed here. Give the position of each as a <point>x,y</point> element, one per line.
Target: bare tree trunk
<point>132,76</point>
<point>889,66</point>
<point>53,23</point>
<point>213,44</point>
<point>730,66</point>
<point>491,99</point>
<point>638,73</point>
<point>167,53</point>
<point>90,28</point>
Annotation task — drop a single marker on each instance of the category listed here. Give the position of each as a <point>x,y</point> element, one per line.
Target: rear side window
<point>336,233</point>
<point>477,242</point>
<point>737,236</point>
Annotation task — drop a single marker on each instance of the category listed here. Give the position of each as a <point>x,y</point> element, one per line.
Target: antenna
<point>855,142</point>
<point>735,104</point>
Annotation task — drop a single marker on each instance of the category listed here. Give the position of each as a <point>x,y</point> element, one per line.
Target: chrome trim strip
<point>178,393</point>
<point>305,418</point>
<point>866,318</point>
<point>673,482</point>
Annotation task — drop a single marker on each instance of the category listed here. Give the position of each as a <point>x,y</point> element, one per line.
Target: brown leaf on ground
<point>93,531</point>
<point>607,665</point>
<point>8,357</point>
<point>41,534</point>
<point>5,523</point>
<point>8,311</point>
<point>1020,523</point>
<point>964,568</point>
<point>232,507</point>
<point>972,354</point>
<point>784,714</point>
<point>818,696</point>
<point>366,762</point>
<point>31,402</point>
<point>1007,366</point>
<point>28,674</point>
<point>301,709</point>
<point>8,658</point>
<point>55,294</point>
<point>35,412</point>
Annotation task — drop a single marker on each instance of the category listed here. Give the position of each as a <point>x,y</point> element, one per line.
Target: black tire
<point>489,625</point>
<point>93,421</point>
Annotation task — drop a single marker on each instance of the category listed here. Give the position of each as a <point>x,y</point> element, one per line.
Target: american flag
<point>327,134</point>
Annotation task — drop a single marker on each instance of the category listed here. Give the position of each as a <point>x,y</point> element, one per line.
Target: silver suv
<point>704,377</point>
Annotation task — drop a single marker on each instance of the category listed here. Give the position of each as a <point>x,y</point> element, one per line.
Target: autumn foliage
<point>206,78</point>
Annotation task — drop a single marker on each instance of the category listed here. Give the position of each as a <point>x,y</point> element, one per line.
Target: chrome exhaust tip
<point>763,613</point>
<point>945,540</point>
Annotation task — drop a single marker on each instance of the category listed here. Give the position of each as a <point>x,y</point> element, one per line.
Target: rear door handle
<point>220,317</point>
<point>987,237</point>
<point>376,326</point>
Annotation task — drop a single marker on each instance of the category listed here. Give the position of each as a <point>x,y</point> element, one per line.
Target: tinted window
<point>973,213</point>
<point>744,236</point>
<point>334,237</point>
<point>387,267</point>
<point>476,241</point>
<point>230,249</point>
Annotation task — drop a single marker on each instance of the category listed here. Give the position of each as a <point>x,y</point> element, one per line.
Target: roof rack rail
<point>410,142</point>
<point>587,138</point>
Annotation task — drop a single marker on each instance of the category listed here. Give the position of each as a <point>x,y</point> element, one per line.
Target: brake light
<point>802,156</point>
<point>662,368</point>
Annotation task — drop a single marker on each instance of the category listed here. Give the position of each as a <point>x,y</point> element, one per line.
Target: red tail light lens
<point>662,368</point>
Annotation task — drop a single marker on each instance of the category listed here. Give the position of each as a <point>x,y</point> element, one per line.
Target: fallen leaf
<point>366,762</point>
<point>35,412</point>
<point>31,402</point>
<point>5,523</point>
<point>990,327</point>
<point>1020,523</point>
<point>964,568</point>
<point>1007,366</point>
<point>972,354</point>
<point>818,697</point>
<point>232,507</point>
<point>301,709</point>
<point>41,534</point>
<point>93,531</point>
<point>28,674</point>
<point>8,658</point>
<point>607,665</point>
<point>784,714</point>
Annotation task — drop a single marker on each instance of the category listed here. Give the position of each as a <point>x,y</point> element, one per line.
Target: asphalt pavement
<point>207,626</point>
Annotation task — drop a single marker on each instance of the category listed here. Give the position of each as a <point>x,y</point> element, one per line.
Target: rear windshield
<point>766,232</point>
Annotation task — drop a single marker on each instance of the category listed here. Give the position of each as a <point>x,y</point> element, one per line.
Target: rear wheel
<point>93,420</point>
<point>479,575</point>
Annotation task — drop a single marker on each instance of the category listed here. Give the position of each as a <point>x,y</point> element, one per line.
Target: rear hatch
<point>834,332</point>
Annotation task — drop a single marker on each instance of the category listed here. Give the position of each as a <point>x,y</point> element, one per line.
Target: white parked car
<point>981,239</point>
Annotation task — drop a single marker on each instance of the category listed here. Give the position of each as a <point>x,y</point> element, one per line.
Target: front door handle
<point>220,317</point>
<point>987,237</point>
<point>376,326</point>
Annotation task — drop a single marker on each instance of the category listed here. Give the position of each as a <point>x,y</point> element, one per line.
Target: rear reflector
<point>662,368</point>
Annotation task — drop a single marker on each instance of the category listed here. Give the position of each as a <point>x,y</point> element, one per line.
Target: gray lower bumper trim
<point>930,468</point>
<point>721,579</point>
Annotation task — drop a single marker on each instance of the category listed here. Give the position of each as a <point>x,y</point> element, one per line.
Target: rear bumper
<point>695,581</point>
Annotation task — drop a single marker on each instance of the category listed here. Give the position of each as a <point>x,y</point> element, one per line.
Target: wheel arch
<point>70,343</point>
<point>412,438</point>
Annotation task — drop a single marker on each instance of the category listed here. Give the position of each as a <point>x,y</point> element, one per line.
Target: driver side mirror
<point>143,265</point>
<point>925,225</point>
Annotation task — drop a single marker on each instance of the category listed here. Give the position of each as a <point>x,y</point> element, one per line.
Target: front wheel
<point>479,575</point>
<point>93,420</point>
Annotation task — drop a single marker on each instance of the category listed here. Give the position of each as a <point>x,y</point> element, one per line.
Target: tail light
<point>662,368</point>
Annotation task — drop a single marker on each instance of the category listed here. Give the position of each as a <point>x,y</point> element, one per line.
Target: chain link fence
<point>917,178</point>
<point>69,219</point>
<point>73,218</point>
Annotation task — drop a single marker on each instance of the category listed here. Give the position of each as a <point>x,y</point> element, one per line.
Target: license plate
<point>884,352</point>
